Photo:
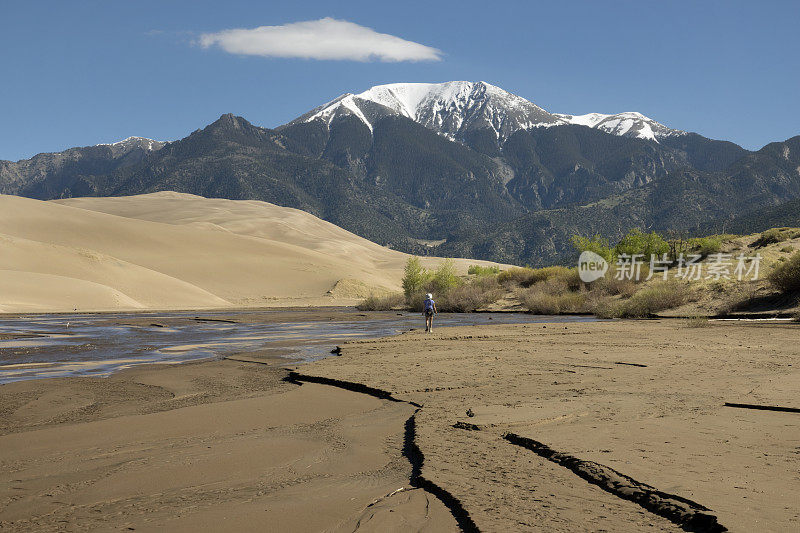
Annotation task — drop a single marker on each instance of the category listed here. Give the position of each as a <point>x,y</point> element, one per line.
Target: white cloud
<point>320,39</point>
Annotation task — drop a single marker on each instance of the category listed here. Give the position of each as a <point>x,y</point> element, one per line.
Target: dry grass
<point>786,276</point>
<point>516,276</point>
<point>648,301</point>
<point>696,322</point>
<point>541,303</point>
<point>612,286</point>
<point>525,277</point>
<point>478,293</point>
<point>469,297</point>
<point>555,296</point>
<point>384,302</point>
<point>462,298</point>
<point>737,297</point>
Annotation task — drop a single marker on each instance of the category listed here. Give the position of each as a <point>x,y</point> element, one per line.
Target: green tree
<point>596,244</point>
<point>646,244</point>
<point>415,277</point>
<point>444,279</point>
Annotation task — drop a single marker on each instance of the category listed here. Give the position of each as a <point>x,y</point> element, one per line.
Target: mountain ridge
<point>495,192</point>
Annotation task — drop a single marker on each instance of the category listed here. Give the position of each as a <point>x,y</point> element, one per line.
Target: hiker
<point>428,310</point>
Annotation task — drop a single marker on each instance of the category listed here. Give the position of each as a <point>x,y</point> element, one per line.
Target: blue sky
<point>84,72</point>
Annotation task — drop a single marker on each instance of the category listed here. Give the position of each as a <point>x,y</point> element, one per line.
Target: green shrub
<point>706,246</point>
<point>771,236</point>
<point>458,297</point>
<point>479,270</point>
<point>787,249</point>
<point>450,291</point>
<point>786,276</point>
<point>638,243</point>
<point>384,302</point>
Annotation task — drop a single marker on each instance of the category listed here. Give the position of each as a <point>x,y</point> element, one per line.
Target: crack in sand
<point>298,379</point>
<point>411,450</point>
<point>762,407</point>
<point>690,515</point>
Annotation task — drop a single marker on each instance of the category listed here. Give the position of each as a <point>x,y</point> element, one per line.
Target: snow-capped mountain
<point>457,107</point>
<point>126,145</point>
<point>451,108</point>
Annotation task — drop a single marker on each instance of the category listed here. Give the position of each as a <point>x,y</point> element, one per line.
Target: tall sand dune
<point>178,251</point>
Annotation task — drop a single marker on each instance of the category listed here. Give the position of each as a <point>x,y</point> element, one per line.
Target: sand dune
<point>177,251</point>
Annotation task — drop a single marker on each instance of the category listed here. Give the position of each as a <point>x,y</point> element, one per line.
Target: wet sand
<point>228,445</point>
<point>95,345</point>
<point>212,446</point>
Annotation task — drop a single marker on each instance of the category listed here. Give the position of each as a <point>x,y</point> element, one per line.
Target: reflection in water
<point>44,346</point>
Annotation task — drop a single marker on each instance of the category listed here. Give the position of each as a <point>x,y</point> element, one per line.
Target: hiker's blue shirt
<point>429,304</point>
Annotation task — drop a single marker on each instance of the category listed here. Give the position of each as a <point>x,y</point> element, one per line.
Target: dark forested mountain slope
<point>469,176</point>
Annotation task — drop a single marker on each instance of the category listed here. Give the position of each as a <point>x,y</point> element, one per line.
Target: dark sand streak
<point>690,515</point>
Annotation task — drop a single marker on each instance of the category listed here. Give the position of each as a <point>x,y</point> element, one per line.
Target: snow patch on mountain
<point>142,142</point>
<point>628,124</point>
<point>131,143</point>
